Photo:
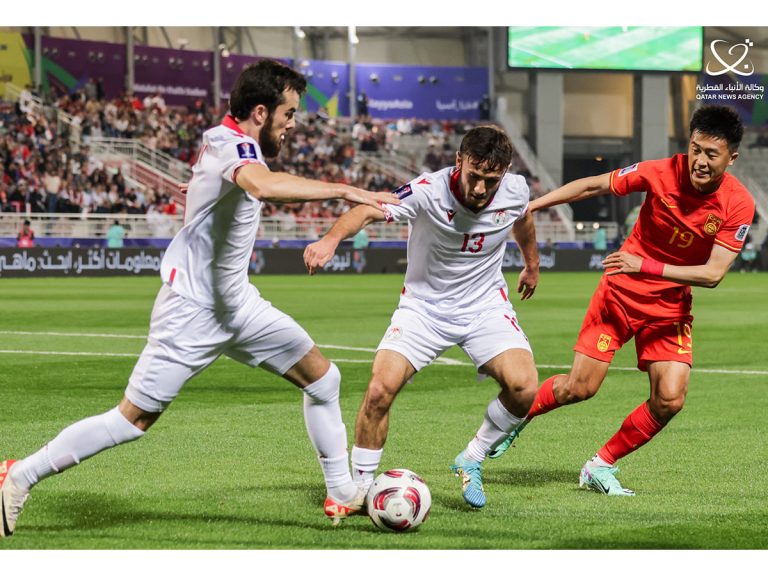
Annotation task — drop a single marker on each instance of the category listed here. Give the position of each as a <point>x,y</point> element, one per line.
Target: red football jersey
<point>677,223</point>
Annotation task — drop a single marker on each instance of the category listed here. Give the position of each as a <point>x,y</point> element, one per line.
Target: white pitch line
<point>50,353</point>
<point>73,334</point>
<point>442,361</point>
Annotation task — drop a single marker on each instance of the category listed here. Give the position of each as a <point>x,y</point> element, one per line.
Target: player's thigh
<point>665,341</point>
<point>416,337</point>
<point>606,327</point>
<point>270,338</point>
<point>391,370</point>
<point>494,333</point>
<point>183,340</point>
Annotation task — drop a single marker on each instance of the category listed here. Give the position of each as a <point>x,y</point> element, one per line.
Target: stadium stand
<point>84,155</point>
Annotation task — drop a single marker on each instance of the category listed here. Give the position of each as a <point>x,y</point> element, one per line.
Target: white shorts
<point>185,338</point>
<point>421,336</point>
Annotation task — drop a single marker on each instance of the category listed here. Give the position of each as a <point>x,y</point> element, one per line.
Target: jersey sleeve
<point>409,207</point>
<point>234,153</point>
<point>639,177</point>
<point>734,230</point>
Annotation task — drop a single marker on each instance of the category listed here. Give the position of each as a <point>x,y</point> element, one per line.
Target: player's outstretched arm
<point>580,189</point>
<point>261,183</point>
<point>318,254</point>
<point>524,232</point>
<point>706,275</point>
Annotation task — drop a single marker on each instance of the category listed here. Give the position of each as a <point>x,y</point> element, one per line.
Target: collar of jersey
<point>230,122</point>
<point>453,184</point>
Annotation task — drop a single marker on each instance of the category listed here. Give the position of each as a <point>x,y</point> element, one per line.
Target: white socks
<point>74,444</point>
<point>597,461</point>
<point>322,416</point>
<point>496,427</point>
<point>364,465</point>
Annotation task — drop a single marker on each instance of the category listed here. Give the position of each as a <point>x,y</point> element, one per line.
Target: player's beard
<point>269,143</point>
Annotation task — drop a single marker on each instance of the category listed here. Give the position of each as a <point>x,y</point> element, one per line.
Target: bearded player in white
<point>455,293</point>
<point>208,307</point>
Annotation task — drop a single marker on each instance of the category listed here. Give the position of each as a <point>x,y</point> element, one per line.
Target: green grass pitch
<point>229,466</point>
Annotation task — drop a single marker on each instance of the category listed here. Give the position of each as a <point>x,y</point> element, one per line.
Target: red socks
<point>544,401</point>
<point>638,428</point>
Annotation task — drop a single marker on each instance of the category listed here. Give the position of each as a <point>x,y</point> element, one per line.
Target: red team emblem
<point>603,342</point>
<point>712,225</point>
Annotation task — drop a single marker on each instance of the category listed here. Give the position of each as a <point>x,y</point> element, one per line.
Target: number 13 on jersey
<point>473,242</point>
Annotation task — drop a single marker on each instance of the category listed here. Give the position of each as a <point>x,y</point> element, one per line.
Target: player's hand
<point>318,254</point>
<point>183,187</point>
<point>375,199</point>
<point>527,282</point>
<point>622,263</point>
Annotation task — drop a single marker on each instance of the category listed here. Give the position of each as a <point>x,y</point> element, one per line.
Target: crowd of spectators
<point>42,171</point>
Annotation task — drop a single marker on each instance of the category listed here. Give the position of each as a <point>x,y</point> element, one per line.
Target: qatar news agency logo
<point>731,59</point>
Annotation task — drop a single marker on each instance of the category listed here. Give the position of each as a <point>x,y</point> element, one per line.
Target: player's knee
<point>524,386</point>
<point>577,388</point>
<point>327,388</point>
<point>664,409</point>
<point>379,396</point>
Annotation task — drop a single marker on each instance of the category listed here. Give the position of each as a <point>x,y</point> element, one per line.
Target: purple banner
<point>68,64</point>
<point>183,76</point>
<point>428,93</point>
<point>180,76</point>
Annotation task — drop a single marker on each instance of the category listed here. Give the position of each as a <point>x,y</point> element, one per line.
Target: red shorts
<point>661,326</point>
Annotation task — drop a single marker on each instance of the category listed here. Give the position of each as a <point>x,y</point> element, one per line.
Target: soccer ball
<point>398,500</point>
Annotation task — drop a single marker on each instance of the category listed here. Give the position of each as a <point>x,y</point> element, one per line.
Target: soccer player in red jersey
<point>691,227</point>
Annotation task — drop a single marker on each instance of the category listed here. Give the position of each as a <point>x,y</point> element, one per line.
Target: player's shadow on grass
<point>87,511</point>
<point>531,476</point>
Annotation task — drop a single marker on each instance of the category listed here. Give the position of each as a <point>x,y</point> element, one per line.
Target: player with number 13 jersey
<point>460,219</point>
<point>455,252</point>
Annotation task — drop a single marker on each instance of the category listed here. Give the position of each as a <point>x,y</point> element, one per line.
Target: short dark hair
<point>263,83</point>
<point>487,145</point>
<point>720,122</point>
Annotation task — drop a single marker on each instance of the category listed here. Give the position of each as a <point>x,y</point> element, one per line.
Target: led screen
<point>649,48</point>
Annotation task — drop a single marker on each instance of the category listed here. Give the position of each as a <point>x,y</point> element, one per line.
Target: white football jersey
<point>455,254</point>
<point>207,261</point>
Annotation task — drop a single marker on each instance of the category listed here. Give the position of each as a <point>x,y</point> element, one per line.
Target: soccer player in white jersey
<point>455,293</point>
<point>207,306</point>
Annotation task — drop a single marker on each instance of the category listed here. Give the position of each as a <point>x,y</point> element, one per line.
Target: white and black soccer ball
<point>398,500</point>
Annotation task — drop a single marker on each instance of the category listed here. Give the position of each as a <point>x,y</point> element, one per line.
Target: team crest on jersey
<point>394,333</point>
<point>603,342</point>
<point>404,191</point>
<point>712,225</point>
<point>246,150</point>
<point>500,217</point>
<point>742,232</point>
<point>451,214</point>
<point>629,169</point>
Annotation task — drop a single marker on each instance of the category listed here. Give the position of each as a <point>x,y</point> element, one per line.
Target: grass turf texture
<point>229,466</point>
